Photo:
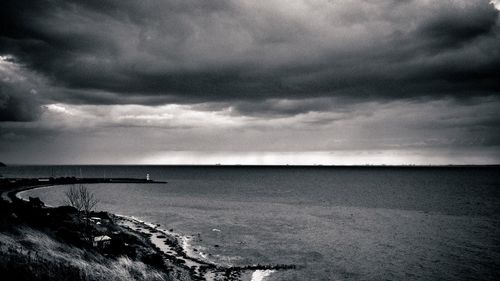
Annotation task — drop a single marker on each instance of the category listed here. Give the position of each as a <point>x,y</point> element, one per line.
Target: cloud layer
<point>359,75</point>
<point>190,51</point>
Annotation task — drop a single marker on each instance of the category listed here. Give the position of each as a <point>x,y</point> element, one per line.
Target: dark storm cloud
<point>151,52</point>
<point>16,105</point>
<point>19,101</point>
<point>455,26</point>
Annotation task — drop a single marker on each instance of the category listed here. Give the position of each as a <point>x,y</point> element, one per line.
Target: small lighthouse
<point>147,177</point>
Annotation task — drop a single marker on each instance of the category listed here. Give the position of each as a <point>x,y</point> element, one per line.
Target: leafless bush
<point>81,199</point>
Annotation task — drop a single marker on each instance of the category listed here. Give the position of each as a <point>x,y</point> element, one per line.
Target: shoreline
<point>144,228</point>
<point>174,246</point>
<point>24,184</point>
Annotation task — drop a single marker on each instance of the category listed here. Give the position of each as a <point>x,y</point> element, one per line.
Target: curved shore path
<point>174,246</point>
<point>170,244</point>
<point>9,194</point>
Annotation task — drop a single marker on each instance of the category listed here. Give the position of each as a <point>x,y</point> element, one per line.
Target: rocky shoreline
<point>170,243</point>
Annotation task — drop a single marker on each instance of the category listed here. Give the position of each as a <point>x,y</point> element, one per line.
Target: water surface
<point>337,223</point>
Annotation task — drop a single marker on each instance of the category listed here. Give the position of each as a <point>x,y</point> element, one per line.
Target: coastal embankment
<point>10,186</point>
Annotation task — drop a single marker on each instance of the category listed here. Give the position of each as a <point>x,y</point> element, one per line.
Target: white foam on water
<point>186,246</point>
<point>259,275</point>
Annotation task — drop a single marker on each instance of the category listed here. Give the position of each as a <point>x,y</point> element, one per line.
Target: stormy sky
<point>250,82</point>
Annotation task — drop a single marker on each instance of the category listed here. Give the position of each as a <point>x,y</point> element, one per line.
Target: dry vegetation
<point>33,255</point>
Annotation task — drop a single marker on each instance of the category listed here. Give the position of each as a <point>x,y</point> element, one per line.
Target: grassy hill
<point>38,243</point>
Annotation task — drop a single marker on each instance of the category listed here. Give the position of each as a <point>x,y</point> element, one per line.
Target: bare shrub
<point>81,199</point>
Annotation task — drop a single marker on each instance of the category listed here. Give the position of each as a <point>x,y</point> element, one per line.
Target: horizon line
<point>266,165</point>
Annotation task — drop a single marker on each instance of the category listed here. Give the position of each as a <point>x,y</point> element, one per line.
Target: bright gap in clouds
<point>326,158</point>
<point>496,3</point>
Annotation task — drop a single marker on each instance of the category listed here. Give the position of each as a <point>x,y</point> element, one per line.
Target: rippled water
<point>337,223</point>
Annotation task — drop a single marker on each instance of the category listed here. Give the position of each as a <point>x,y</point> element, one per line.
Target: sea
<point>334,223</point>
